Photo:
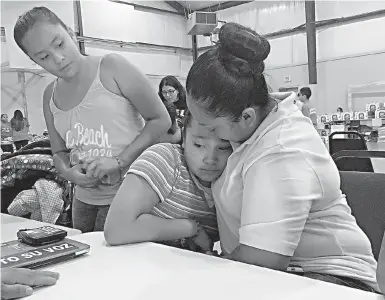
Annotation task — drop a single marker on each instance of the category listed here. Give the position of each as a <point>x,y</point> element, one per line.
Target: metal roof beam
<point>223,5</point>
<point>177,6</point>
<point>321,25</point>
<point>148,8</point>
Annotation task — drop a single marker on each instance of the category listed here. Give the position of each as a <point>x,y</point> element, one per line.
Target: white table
<point>151,271</point>
<point>10,225</point>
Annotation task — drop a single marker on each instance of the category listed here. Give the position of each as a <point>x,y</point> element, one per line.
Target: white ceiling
<point>195,5</point>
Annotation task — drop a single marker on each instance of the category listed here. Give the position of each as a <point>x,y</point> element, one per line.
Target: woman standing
<point>102,109</point>
<point>20,130</point>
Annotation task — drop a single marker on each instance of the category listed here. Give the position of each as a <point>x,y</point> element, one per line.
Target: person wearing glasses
<point>172,91</point>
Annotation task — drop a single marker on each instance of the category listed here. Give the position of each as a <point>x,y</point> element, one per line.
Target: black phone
<point>41,236</point>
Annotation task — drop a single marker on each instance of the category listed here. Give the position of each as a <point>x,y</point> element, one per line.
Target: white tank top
<point>103,124</point>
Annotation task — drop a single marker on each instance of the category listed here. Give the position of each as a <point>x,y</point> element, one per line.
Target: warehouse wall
<point>101,19</point>
<point>347,54</point>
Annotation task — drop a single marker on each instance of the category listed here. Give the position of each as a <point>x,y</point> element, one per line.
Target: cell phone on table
<point>41,236</point>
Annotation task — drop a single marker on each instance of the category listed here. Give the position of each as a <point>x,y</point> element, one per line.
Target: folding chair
<point>350,163</point>
<point>365,193</point>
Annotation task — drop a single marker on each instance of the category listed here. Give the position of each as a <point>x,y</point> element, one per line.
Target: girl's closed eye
<point>225,148</point>
<point>197,145</point>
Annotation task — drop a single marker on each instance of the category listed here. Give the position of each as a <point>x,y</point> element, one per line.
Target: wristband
<point>120,166</point>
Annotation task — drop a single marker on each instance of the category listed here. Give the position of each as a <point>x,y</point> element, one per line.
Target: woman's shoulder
<point>289,142</point>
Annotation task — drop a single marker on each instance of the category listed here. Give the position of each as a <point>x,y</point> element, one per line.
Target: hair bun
<point>242,49</point>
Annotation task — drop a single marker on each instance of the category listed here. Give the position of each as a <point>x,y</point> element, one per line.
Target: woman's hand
<point>98,167</point>
<point>77,175</point>
<point>17,282</point>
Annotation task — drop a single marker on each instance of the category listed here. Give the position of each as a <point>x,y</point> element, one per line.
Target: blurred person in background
<point>307,109</point>
<point>6,134</point>
<point>20,130</point>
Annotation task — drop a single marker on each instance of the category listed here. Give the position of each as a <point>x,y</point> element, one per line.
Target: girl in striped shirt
<point>166,195</point>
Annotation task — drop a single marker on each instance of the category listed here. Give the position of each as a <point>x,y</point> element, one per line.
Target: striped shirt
<point>181,195</point>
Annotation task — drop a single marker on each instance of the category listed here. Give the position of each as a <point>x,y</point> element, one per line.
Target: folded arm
<point>277,196</point>
<point>129,219</point>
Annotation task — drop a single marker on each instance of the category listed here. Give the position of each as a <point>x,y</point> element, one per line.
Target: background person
<point>20,130</point>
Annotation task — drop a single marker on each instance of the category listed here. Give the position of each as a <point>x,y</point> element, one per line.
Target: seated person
<point>166,194</point>
<point>174,134</point>
<point>279,202</point>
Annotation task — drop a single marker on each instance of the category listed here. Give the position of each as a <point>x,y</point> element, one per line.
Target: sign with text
<point>18,254</point>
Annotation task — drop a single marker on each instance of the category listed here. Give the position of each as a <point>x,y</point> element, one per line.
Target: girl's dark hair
<point>2,115</point>
<point>27,20</point>
<point>17,121</point>
<point>172,81</point>
<point>187,119</point>
<point>171,109</point>
<point>186,122</point>
<point>229,78</point>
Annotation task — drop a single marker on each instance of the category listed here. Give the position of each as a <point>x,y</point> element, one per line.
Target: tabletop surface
<point>148,270</point>
<point>10,225</point>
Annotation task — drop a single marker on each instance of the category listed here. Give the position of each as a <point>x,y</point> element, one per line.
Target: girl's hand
<point>203,240</point>
<point>98,167</point>
<point>212,253</point>
<point>77,175</point>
